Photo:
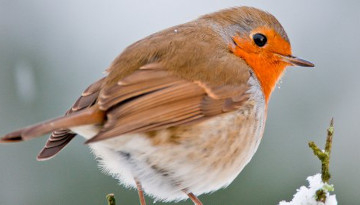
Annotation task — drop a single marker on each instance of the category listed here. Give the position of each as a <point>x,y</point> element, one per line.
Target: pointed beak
<point>294,61</point>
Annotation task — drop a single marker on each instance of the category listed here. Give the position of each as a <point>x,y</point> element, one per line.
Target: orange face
<point>263,51</point>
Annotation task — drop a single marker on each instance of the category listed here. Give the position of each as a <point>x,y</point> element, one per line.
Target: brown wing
<point>60,138</point>
<point>152,98</point>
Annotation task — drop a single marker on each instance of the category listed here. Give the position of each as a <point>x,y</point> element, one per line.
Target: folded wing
<point>153,98</point>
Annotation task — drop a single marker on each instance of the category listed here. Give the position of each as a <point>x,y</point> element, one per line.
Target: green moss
<point>324,157</point>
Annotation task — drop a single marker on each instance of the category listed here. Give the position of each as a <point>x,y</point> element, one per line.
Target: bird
<point>181,112</point>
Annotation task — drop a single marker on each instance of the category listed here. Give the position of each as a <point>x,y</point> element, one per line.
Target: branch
<point>110,199</point>
<point>324,156</point>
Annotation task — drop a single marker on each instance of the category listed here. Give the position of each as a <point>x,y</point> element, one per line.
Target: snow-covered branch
<point>318,192</point>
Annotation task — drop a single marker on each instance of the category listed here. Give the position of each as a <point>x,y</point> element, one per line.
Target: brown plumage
<point>60,138</point>
<point>183,110</point>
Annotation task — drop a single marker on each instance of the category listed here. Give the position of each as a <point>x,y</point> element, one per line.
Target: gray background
<point>51,50</point>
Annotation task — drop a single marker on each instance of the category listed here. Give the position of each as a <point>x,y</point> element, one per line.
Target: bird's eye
<point>260,39</point>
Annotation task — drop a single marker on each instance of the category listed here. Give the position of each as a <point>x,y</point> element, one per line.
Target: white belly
<point>165,170</point>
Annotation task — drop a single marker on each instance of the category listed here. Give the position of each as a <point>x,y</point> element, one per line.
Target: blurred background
<point>51,50</point>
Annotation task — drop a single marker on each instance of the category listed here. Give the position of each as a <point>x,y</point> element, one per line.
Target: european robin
<point>181,112</point>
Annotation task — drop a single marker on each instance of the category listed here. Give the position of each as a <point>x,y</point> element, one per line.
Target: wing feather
<point>152,98</point>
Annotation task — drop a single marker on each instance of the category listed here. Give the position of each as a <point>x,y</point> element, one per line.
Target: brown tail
<point>92,115</point>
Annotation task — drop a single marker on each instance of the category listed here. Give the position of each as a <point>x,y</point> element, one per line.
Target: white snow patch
<point>306,195</point>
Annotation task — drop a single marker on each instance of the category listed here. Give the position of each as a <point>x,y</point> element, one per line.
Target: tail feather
<point>12,137</point>
<point>53,147</point>
<point>92,115</point>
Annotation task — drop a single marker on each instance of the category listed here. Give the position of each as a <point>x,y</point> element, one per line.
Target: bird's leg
<point>140,192</point>
<point>193,198</point>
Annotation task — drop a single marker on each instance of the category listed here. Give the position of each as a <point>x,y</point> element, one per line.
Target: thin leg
<point>193,198</point>
<point>140,192</point>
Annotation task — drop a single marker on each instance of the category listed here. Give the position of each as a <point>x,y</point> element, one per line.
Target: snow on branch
<point>318,192</point>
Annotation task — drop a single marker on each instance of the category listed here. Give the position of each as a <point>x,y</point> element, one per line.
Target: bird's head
<point>259,39</point>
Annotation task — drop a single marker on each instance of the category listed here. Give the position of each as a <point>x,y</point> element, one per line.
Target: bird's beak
<point>294,61</point>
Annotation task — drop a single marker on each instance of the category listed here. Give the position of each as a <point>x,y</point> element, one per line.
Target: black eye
<point>260,39</point>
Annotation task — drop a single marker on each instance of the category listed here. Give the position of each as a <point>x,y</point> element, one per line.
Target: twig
<point>110,199</point>
<point>324,156</point>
